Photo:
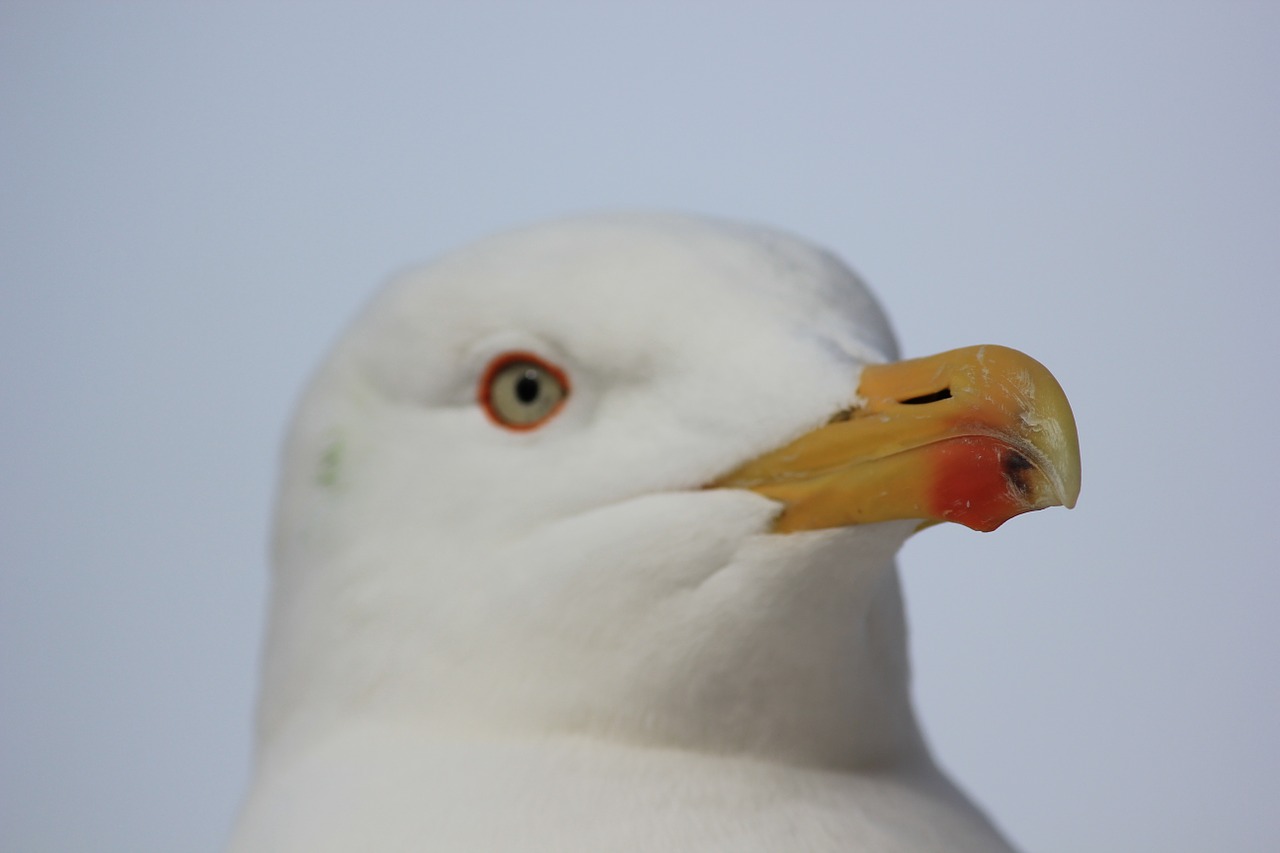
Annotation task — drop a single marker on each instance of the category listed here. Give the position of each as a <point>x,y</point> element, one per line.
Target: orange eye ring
<point>521,391</point>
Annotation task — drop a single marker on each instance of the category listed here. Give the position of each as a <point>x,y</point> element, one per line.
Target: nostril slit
<point>936,396</point>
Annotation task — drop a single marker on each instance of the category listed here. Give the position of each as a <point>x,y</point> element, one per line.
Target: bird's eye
<point>521,391</point>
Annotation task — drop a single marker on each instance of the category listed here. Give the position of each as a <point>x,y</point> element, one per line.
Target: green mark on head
<point>330,466</point>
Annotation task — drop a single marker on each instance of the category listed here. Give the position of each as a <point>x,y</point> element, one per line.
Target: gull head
<point>638,477</point>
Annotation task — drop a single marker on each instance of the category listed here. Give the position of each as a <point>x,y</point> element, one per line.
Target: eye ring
<point>521,391</point>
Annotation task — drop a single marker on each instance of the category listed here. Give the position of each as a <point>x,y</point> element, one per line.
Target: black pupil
<point>527,387</point>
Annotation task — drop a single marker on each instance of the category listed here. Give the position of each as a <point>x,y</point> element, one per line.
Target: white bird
<point>586,542</point>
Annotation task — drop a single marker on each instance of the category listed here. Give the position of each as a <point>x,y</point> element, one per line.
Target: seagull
<point>585,542</point>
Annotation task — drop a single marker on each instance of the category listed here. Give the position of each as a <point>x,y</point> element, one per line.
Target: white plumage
<point>487,639</point>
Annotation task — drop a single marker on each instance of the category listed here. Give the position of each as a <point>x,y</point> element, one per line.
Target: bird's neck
<point>804,664</point>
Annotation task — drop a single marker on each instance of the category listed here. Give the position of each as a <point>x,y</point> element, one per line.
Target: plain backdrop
<point>195,197</point>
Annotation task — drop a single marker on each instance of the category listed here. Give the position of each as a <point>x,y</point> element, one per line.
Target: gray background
<point>195,198</point>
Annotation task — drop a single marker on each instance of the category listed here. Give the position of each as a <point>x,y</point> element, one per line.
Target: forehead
<point>635,286</point>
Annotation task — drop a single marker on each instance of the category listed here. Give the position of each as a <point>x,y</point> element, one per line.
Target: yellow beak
<point>975,436</point>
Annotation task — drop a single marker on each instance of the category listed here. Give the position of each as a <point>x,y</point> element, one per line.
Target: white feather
<point>555,640</point>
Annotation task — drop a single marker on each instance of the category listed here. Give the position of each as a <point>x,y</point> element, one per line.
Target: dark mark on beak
<point>1016,468</point>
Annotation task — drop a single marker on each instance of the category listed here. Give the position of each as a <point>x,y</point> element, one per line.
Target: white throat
<point>667,621</point>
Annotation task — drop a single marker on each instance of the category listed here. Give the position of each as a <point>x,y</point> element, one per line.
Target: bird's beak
<point>974,435</point>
